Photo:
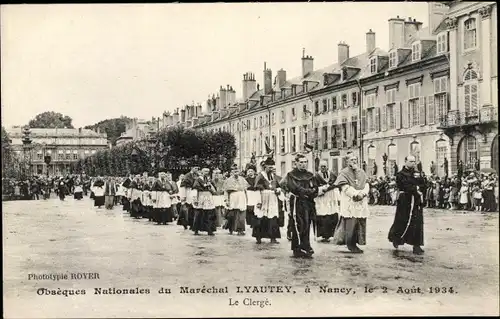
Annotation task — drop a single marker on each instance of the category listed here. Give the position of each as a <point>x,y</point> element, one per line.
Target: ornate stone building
<point>64,146</point>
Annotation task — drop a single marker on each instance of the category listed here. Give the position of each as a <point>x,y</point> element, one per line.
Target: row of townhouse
<point>382,105</point>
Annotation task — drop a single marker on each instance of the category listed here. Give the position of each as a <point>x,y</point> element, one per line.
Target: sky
<point>95,61</point>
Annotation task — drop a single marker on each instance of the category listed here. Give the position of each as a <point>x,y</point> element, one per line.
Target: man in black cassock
<point>408,226</point>
<point>302,187</point>
<point>187,184</point>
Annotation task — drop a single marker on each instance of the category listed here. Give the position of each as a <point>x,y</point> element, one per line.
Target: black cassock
<point>408,226</point>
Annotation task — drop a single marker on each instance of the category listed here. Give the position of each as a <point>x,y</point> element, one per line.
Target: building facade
<point>138,129</point>
<point>64,146</point>
<point>471,122</point>
<point>383,105</point>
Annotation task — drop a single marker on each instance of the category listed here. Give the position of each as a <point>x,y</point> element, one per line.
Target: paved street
<point>54,237</point>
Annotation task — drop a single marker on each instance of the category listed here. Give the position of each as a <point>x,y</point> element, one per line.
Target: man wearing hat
<point>302,189</point>
<point>203,203</point>
<point>187,194</point>
<point>253,194</point>
<point>266,221</point>
<point>326,202</point>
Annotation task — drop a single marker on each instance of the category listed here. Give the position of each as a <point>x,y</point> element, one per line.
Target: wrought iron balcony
<point>455,118</point>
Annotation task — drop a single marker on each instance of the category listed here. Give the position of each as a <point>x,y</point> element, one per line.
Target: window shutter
<point>348,133</point>
<point>327,135</point>
<point>301,138</point>
<point>431,113</point>
<point>473,97</point>
<point>422,110</point>
<point>377,119</point>
<point>397,115</point>
<point>363,121</point>
<point>467,102</point>
<point>405,115</point>
<point>383,118</point>
<point>410,114</point>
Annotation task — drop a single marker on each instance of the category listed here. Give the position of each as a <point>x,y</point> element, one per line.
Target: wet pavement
<point>70,237</point>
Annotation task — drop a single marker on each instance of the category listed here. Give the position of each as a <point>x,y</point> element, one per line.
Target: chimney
<point>307,63</point>
<point>370,41</point>
<point>268,80</point>
<point>175,117</point>
<point>198,110</point>
<point>343,52</point>
<point>223,97</point>
<point>396,33</point>
<point>249,85</point>
<point>437,11</point>
<point>80,130</point>
<point>411,28</point>
<point>281,78</point>
<point>218,103</point>
<point>183,115</point>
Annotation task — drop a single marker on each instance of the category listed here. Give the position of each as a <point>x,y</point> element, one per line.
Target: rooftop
<point>55,132</point>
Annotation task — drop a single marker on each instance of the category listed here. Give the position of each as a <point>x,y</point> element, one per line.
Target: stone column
<point>452,24</point>
<point>485,13</point>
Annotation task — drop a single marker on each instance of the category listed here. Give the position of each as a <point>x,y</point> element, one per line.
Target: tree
<point>9,163</point>
<point>51,120</point>
<point>113,127</point>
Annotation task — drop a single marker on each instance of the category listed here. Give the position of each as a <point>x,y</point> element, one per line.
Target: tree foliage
<point>175,149</point>
<point>51,120</point>
<point>9,161</point>
<point>113,127</point>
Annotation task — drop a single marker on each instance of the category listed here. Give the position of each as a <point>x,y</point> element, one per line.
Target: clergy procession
<point>208,200</point>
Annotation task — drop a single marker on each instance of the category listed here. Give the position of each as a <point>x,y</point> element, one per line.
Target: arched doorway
<point>468,152</point>
<point>494,154</point>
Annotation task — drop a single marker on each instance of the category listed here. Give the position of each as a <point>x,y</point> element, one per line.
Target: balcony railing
<point>457,118</point>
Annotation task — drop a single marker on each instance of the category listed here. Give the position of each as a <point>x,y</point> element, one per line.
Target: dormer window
<point>416,53</point>
<point>470,33</point>
<point>373,65</point>
<point>393,59</point>
<point>343,74</point>
<point>442,43</point>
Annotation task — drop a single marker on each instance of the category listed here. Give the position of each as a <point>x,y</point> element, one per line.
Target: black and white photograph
<point>209,160</point>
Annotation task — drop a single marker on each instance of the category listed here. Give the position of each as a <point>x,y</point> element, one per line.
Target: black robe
<point>408,226</point>
<point>303,188</point>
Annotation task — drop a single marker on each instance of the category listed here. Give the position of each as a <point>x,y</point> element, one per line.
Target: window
<point>254,122</point>
<point>414,112</point>
<point>334,136</point>
<point>415,48</point>
<point>370,100</point>
<point>440,85</point>
<point>468,151</point>
<point>260,144</point>
<point>470,33</point>
<point>470,93</point>
<point>316,139</point>
<point>254,145</point>
<point>415,150</point>
<point>273,140</point>
<point>68,155</point>
<point>390,96</point>
<point>260,121</point>
<point>393,59</point>
<point>344,100</point>
<point>316,108</point>
<point>373,65</point>
<point>370,114</point>
<point>334,103</point>
<point>267,120</point>
<point>442,43</point>
<point>441,105</point>
<point>414,91</point>
<point>283,116</point>
<point>304,130</point>
<point>304,110</point>
<point>355,100</point>
<point>75,154</point>
<point>344,134</point>
<point>273,119</point>
<point>354,132</point>
<point>293,144</point>
<point>372,155</point>
<point>324,137</point>
<point>441,152</point>
<point>392,158</point>
<point>39,155</point>
<point>94,151</point>
<point>391,117</point>
<point>325,106</point>
<point>282,140</point>
<point>294,116</point>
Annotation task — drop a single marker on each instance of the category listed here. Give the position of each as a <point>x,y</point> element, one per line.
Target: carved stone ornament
<point>485,11</point>
<point>451,23</point>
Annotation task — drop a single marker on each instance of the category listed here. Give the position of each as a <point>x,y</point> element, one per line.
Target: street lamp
<point>26,148</point>
<point>47,160</point>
